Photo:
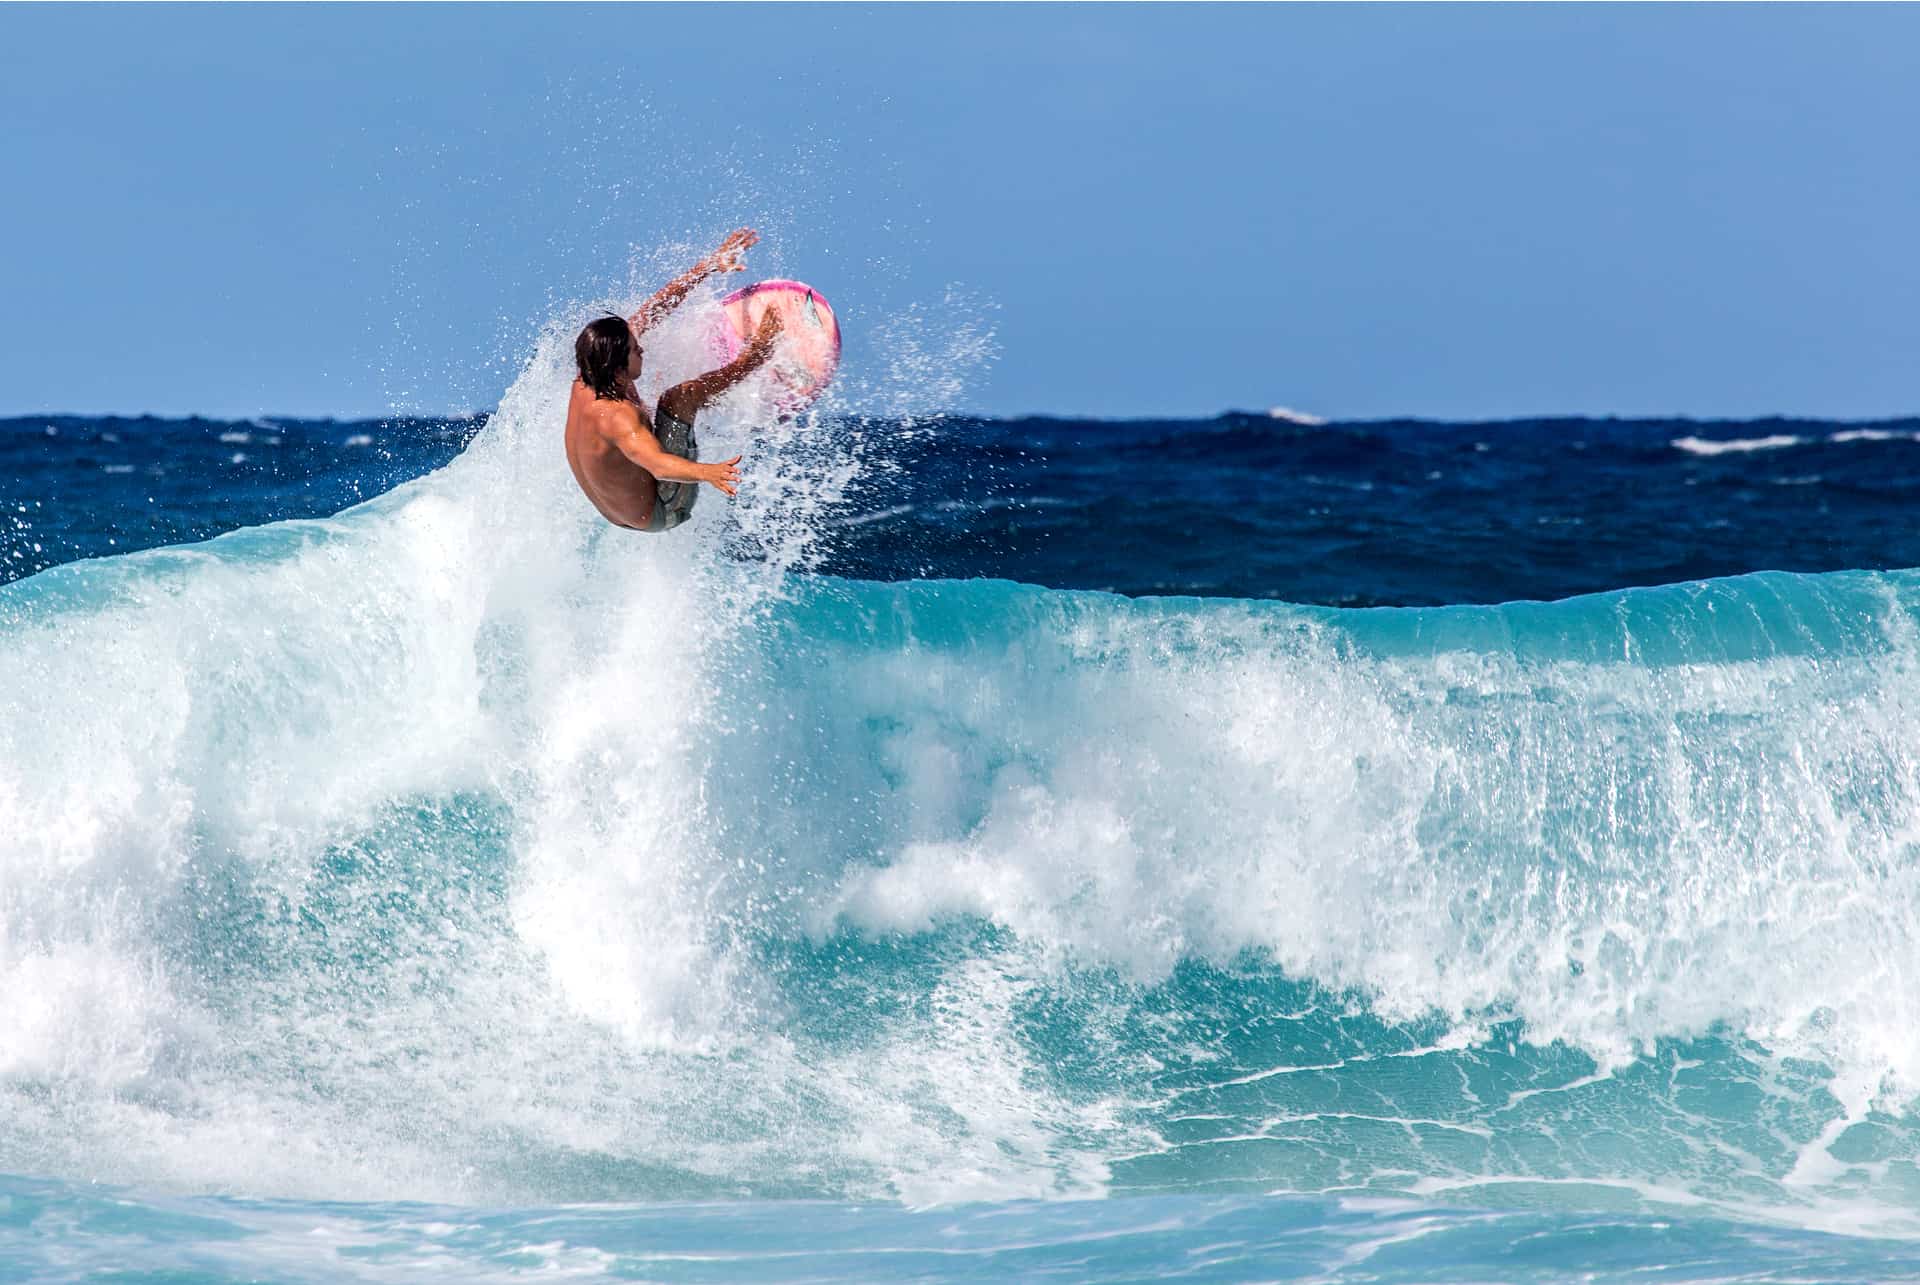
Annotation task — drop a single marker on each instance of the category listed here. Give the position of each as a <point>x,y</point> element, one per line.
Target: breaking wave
<point>460,847</point>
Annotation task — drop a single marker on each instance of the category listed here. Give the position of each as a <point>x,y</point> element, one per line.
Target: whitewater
<point>459,884</point>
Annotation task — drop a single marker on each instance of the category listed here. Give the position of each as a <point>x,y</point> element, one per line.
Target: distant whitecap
<point>1873,435</point>
<point>1293,416</point>
<point>1710,446</point>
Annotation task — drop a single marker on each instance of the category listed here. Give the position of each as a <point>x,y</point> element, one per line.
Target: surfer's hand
<point>730,256</point>
<point>725,475</point>
<point>769,330</point>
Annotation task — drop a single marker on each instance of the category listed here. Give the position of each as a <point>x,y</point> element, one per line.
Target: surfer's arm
<point>637,442</point>
<point>683,401</point>
<point>670,296</point>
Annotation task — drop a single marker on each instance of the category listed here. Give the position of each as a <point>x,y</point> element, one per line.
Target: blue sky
<point>1357,211</point>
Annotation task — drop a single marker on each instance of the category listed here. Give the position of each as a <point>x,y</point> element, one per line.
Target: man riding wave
<point>640,471</point>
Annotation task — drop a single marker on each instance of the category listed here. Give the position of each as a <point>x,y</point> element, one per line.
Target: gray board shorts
<point>673,502</point>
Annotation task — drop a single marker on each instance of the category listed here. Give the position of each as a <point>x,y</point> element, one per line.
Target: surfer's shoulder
<point>613,415</point>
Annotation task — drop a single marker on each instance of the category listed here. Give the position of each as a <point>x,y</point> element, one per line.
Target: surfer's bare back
<point>643,471</point>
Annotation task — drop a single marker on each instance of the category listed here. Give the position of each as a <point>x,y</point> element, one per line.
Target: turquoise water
<point>84,1235</point>
<point>454,888</point>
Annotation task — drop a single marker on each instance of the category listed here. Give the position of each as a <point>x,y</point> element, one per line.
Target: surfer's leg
<point>684,402</point>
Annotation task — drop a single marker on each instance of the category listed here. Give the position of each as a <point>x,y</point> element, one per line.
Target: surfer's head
<point>607,353</point>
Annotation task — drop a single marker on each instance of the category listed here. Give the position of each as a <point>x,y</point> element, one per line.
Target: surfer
<point>640,471</point>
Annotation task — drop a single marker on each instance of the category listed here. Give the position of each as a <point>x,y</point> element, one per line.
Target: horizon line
<point>1278,415</point>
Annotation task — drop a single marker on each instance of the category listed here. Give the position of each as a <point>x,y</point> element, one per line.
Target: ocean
<point>1223,849</point>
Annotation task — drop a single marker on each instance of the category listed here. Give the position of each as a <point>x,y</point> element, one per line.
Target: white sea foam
<point>1873,435</point>
<point>1292,416</point>
<point>193,741</point>
<point>1296,798</point>
<point>1736,445</point>
<point>1781,441</point>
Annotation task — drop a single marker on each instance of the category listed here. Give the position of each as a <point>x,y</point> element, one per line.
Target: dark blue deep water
<point>1388,513</point>
<point>987,850</point>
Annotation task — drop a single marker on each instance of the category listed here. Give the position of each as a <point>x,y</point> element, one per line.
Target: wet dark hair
<point>601,350</point>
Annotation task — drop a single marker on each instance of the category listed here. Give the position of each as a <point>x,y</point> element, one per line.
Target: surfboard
<point>808,352</point>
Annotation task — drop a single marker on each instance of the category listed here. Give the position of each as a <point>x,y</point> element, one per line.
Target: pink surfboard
<point>808,350</point>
